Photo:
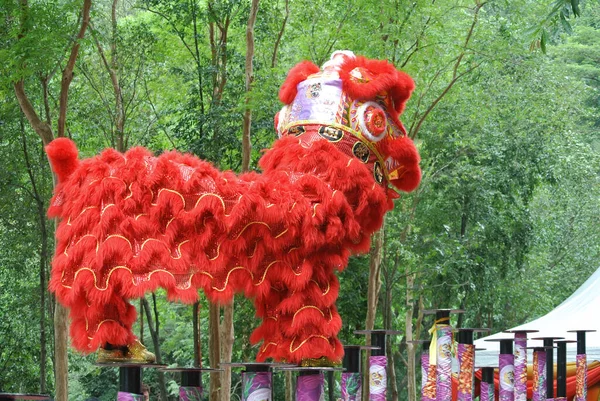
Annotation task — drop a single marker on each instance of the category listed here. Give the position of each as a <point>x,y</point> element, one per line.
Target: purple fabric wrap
<point>466,357</point>
<point>122,396</point>
<point>486,392</point>
<point>256,386</point>
<point>424,374</point>
<point>443,386</point>
<point>506,369</point>
<point>310,388</point>
<point>581,378</point>
<point>520,367</point>
<point>190,393</point>
<point>351,386</point>
<point>377,378</point>
<point>539,376</point>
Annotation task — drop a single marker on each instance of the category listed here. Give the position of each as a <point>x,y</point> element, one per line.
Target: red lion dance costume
<point>133,222</point>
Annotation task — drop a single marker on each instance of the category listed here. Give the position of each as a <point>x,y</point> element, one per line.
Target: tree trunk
<point>376,255</point>
<point>67,73</point>
<point>246,144</point>
<point>289,386</point>
<point>214,350</point>
<point>387,325</point>
<point>44,131</point>
<point>410,347</point>
<point>227,338</point>
<point>154,333</point>
<point>43,255</point>
<point>61,361</point>
<point>280,34</point>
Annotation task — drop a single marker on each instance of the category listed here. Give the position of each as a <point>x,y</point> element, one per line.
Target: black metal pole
<point>506,346</point>
<point>561,368</point>
<point>378,340</point>
<point>465,336</point>
<point>487,375</point>
<point>351,360</point>
<point>130,379</point>
<point>549,346</point>
<point>581,342</point>
<point>191,379</point>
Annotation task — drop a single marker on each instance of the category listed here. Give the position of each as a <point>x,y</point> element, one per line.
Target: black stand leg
<point>130,379</point>
<point>191,379</point>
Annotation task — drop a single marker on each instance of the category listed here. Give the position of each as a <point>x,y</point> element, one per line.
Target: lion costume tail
<point>63,156</point>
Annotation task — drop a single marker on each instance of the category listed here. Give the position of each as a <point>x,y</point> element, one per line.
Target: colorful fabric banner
<point>256,386</point>
<point>539,376</point>
<point>351,386</point>
<point>520,382</point>
<point>122,396</point>
<point>190,393</point>
<point>310,388</point>
<point>581,378</point>
<point>430,386</point>
<point>425,379</point>
<point>487,392</point>
<point>444,363</point>
<point>507,371</point>
<point>377,378</point>
<point>466,357</point>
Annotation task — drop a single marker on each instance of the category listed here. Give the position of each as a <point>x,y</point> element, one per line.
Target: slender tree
<point>45,132</point>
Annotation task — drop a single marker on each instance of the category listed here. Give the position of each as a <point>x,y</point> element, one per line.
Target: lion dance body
<point>131,223</point>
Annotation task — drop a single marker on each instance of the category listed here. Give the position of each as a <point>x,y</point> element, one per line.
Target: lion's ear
<point>402,163</point>
<point>297,74</point>
<point>364,79</point>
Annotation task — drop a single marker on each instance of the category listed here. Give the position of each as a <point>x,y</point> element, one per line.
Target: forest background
<point>506,115</point>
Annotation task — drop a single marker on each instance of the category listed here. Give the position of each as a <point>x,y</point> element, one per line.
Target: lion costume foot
<point>135,352</point>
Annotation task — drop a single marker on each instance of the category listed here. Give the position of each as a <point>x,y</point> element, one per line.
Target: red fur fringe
<point>385,78</point>
<point>297,74</point>
<point>133,223</point>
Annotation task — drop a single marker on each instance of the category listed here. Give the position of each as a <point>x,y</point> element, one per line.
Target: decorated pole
<point>581,366</point>
<point>549,346</point>
<point>465,354</point>
<point>351,385</point>
<point>310,383</point>
<point>561,369</point>
<point>427,373</point>
<point>486,387</point>
<point>520,363</point>
<point>257,384</point>
<point>539,373</point>
<point>191,385</point>
<point>190,388</point>
<point>506,370</point>
<point>257,379</point>
<point>130,384</point>
<point>310,386</point>
<point>130,378</point>
<point>378,363</point>
<point>440,353</point>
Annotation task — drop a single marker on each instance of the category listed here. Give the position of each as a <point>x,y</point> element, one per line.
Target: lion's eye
<point>372,121</point>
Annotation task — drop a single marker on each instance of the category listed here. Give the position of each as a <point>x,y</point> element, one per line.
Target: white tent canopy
<point>581,311</point>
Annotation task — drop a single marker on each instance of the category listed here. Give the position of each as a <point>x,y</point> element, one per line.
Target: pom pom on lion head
<point>360,97</point>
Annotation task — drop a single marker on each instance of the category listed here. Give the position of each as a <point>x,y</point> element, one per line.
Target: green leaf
<point>543,40</point>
